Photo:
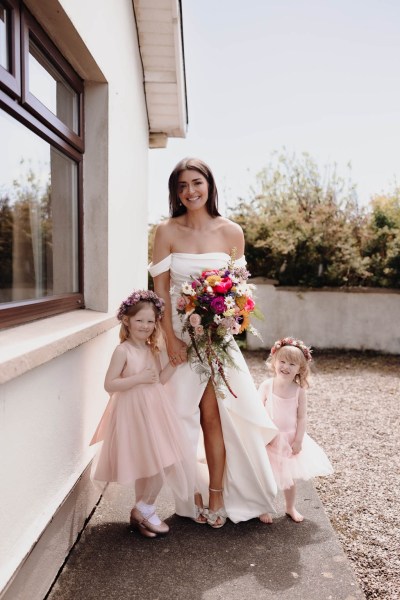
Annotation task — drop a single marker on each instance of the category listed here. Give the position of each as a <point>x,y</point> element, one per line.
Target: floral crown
<point>290,341</point>
<point>141,296</point>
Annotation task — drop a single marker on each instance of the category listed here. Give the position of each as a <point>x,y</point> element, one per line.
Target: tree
<point>383,243</point>
<point>25,219</point>
<point>6,242</point>
<point>302,227</point>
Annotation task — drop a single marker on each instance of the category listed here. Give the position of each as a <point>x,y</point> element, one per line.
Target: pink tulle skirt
<point>287,467</point>
<point>142,442</point>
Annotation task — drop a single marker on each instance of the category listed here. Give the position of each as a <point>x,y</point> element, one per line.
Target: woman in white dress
<point>241,485</point>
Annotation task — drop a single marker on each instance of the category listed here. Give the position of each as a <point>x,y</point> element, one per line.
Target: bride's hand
<point>177,351</point>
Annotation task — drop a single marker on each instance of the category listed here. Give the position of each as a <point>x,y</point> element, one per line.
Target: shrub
<point>304,227</point>
<point>383,240</point>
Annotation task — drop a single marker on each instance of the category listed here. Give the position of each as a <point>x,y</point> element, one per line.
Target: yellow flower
<point>213,279</point>
<point>245,322</point>
<point>241,302</point>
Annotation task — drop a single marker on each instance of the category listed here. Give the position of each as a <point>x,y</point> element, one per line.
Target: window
<point>4,38</point>
<point>10,66</point>
<point>41,127</point>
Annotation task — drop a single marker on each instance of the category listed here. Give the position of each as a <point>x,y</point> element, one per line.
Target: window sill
<point>28,346</point>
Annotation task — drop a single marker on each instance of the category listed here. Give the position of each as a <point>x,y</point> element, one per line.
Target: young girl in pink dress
<point>292,453</point>
<point>142,442</point>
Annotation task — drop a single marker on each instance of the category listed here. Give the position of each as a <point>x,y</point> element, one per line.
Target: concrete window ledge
<point>28,346</point>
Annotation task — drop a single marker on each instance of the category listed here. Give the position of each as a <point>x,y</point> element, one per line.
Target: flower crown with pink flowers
<point>290,341</point>
<point>141,296</point>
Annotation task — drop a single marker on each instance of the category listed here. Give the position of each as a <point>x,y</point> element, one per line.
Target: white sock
<point>147,510</point>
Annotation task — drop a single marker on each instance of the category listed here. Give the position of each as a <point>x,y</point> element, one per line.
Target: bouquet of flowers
<point>214,307</point>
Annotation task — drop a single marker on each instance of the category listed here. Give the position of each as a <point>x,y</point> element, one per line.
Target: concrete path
<point>247,561</point>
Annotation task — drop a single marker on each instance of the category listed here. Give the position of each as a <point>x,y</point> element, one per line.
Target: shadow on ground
<point>247,560</point>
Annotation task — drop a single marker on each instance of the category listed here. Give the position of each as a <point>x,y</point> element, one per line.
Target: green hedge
<point>303,227</point>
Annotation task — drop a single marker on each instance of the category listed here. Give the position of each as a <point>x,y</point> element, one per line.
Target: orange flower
<point>241,301</point>
<point>190,305</point>
<point>213,279</point>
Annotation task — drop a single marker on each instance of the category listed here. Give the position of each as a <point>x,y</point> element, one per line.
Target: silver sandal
<point>201,511</point>
<point>214,515</point>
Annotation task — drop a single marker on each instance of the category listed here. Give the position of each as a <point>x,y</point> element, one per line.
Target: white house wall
<point>52,370</point>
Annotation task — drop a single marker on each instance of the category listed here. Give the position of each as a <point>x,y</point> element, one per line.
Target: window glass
<point>48,86</point>
<point>38,217</point>
<point>4,38</point>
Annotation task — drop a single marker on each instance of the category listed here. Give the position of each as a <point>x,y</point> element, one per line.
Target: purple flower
<point>218,305</point>
<point>141,296</point>
<point>204,299</point>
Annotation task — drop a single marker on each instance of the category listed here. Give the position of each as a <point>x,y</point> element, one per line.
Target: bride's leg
<point>213,444</point>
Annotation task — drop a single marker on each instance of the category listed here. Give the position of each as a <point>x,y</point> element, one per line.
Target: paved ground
<point>247,561</point>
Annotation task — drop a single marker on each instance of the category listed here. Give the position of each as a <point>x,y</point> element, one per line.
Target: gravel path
<point>354,414</point>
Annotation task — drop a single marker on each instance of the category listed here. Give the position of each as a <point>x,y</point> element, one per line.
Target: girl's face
<point>192,189</point>
<point>286,368</point>
<point>141,325</point>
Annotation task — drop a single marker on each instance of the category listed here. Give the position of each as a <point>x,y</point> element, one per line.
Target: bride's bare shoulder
<point>233,235</point>
<point>229,225</point>
<point>163,238</point>
<point>165,228</point>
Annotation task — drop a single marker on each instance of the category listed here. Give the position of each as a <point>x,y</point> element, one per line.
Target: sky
<point>315,76</point>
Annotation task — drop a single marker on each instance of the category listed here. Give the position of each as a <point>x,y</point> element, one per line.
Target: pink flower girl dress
<point>141,436</point>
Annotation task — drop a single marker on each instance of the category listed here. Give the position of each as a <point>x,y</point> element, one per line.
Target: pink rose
<point>194,319</point>
<point>206,274</point>
<point>180,303</point>
<point>223,286</point>
<point>250,304</point>
<point>199,330</point>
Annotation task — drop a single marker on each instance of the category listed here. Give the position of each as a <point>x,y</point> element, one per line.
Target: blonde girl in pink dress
<point>293,454</point>
<point>142,442</point>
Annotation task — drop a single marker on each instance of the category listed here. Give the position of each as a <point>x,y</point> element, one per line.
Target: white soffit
<point>159,24</point>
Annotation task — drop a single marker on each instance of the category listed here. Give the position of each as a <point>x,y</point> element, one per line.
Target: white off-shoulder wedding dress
<point>249,484</point>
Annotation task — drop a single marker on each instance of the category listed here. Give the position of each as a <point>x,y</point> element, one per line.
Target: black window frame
<point>16,100</point>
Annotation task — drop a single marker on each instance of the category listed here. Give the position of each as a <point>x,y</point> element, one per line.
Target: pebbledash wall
<point>52,370</point>
<point>354,319</point>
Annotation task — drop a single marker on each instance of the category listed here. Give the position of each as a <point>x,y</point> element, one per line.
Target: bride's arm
<point>162,283</point>
<point>161,287</point>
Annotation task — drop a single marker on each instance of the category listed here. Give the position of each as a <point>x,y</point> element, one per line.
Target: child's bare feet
<point>295,515</point>
<point>265,518</point>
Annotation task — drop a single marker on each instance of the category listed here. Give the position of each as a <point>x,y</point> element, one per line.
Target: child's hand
<point>149,375</point>
<point>296,447</point>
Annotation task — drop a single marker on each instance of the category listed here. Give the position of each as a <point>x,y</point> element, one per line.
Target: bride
<point>235,430</point>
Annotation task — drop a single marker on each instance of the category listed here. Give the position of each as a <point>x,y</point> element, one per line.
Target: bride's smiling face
<point>192,189</point>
